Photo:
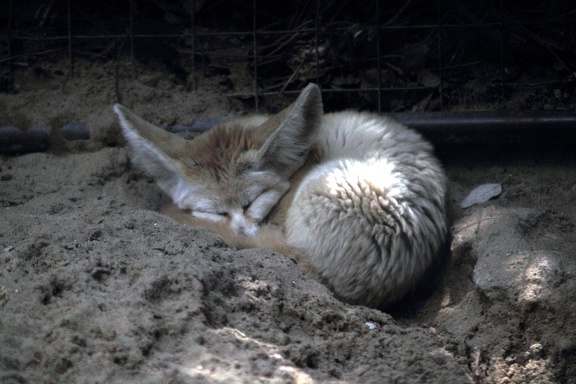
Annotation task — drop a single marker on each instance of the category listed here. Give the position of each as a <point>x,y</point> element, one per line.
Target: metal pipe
<point>444,129</point>
<point>493,127</point>
<point>16,141</point>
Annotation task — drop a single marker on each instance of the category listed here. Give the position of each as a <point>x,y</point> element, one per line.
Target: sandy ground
<point>97,287</point>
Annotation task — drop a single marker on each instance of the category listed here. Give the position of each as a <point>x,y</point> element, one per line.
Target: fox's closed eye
<point>215,217</point>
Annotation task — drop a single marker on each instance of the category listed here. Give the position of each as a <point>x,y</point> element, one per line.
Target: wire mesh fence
<point>386,56</point>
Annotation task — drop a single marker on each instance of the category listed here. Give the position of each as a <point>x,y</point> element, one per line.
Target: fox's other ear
<point>153,149</point>
<point>293,131</point>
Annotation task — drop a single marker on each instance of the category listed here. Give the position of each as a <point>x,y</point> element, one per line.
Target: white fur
<point>213,217</point>
<point>263,204</point>
<point>242,224</point>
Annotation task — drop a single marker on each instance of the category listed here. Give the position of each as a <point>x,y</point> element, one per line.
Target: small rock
<point>481,194</point>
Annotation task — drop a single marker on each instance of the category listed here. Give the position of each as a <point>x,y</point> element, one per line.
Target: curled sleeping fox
<point>356,198</point>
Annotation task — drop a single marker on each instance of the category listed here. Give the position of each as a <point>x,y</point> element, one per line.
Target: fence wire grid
<point>378,55</point>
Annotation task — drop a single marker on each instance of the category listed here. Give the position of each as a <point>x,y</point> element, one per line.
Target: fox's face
<point>242,203</point>
<point>235,173</point>
<point>223,180</point>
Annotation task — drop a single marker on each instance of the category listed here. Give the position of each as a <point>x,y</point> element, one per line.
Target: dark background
<point>388,56</point>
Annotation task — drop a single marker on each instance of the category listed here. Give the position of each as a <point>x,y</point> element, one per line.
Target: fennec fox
<point>356,197</point>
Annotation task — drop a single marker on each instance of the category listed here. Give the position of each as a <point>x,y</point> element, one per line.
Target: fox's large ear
<point>153,149</point>
<point>293,131</point>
